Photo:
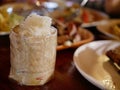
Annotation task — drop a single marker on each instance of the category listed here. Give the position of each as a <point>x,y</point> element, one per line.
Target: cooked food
<point>115,29</point>
<point>33,50</point>
<point>11,15</point>
<point>68,33</point>
<point>8,20</point>
<point>75,14</point>
<point>114,55</point>
<point>69,19</point>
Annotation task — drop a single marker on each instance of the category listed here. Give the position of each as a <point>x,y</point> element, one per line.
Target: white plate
<point>105,27</point>
<point>95,66</point>
<point>4,33</point>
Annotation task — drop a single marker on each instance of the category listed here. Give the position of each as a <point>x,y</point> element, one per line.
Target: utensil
<point>83,3</point>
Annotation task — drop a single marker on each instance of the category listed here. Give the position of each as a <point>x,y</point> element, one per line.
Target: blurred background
<point>110,7</point>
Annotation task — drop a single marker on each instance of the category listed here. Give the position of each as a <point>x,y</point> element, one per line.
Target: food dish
<point>85,35</point>
<point>10,16</point>
<point>114,55</point>
<point>98,16</point>
<point>18,9</point>
<point>95,66</point>
<point>80,16</point>
<point>110,28</point>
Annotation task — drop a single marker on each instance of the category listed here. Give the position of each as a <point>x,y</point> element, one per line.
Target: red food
<point>85,16</point>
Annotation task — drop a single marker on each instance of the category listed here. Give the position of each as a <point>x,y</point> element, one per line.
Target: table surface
<point>66,75</point>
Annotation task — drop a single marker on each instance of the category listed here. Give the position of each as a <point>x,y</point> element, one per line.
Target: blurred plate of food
<point>10,16</point>
<point>111,28</point>
<point>80,16</point>
<point>73,37</point>
<point>69,35</point>
<point>93,63</point>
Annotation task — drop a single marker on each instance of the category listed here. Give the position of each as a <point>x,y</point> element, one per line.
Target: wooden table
<point>66,75</point>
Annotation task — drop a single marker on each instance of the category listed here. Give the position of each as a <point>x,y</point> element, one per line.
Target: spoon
<point>83,3</point>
